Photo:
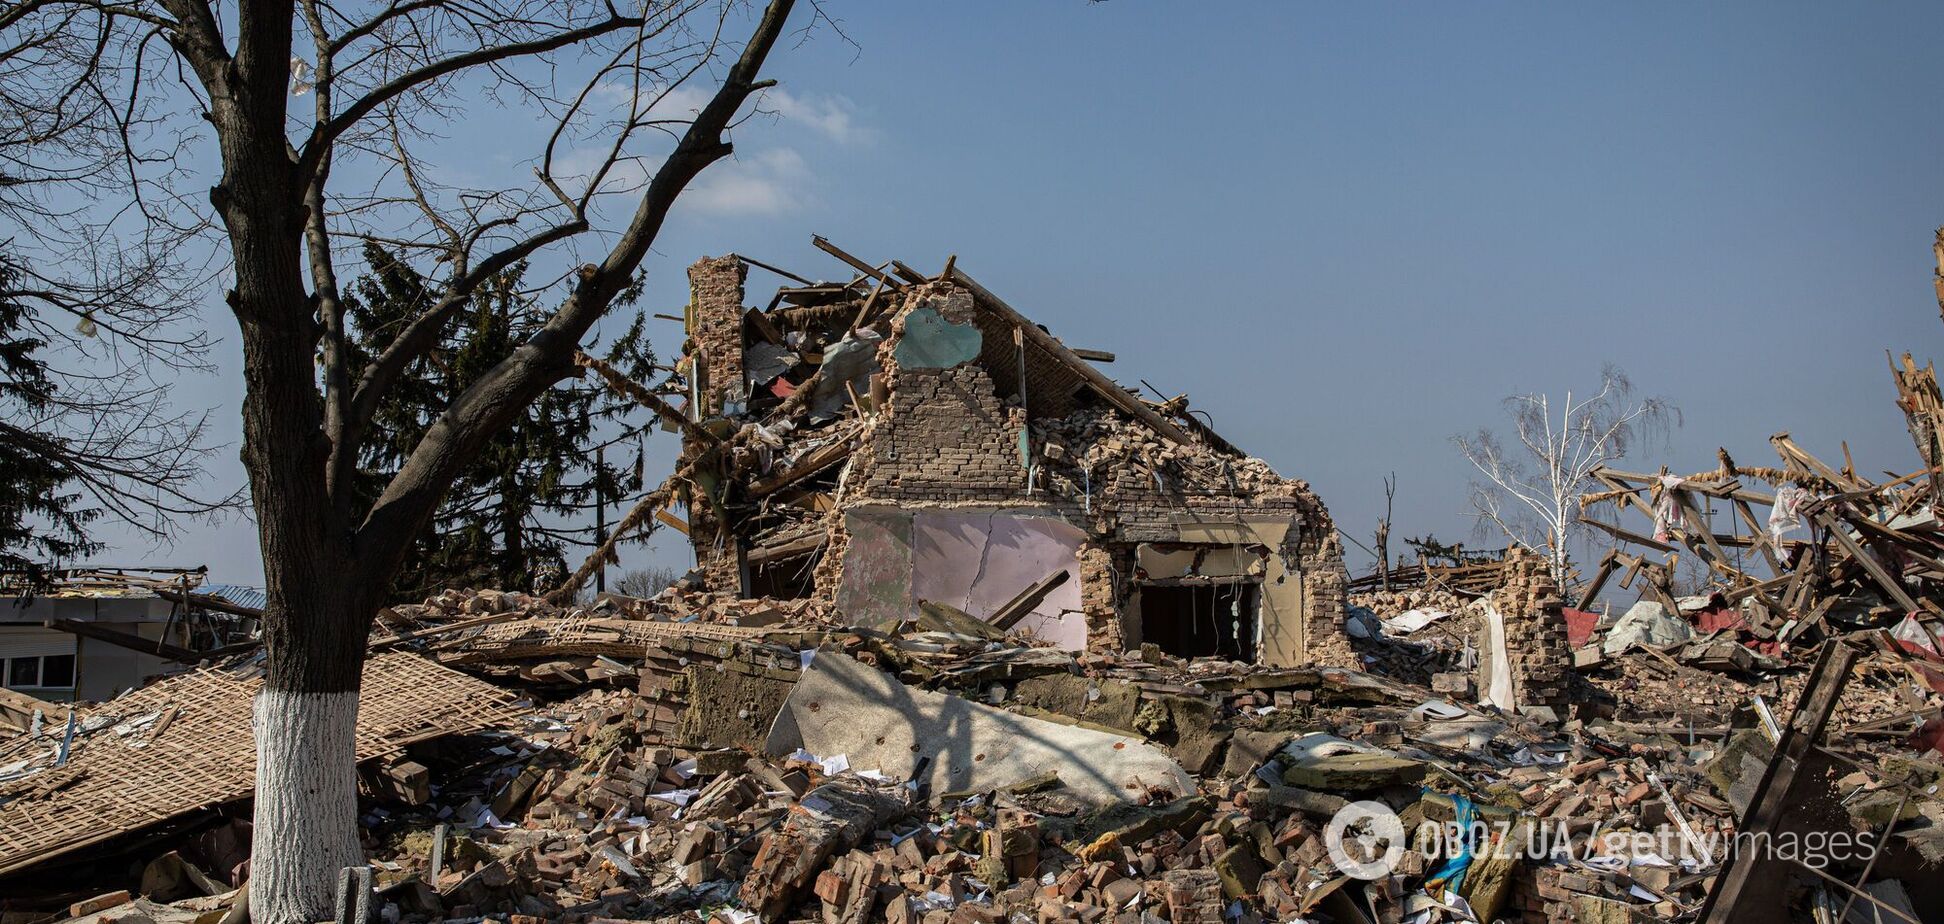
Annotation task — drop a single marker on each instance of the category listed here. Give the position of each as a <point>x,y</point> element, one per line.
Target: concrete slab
<point>844,707</point>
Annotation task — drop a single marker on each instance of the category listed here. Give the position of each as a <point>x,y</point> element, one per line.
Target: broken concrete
<point>843,707</point>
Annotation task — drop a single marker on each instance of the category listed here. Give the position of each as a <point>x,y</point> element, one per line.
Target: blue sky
<point>1348,231</point>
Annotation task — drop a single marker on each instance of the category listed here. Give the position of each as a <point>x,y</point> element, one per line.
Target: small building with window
<point>95,634</point>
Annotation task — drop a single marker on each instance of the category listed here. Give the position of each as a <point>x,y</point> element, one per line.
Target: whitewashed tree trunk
<point>306,804</point>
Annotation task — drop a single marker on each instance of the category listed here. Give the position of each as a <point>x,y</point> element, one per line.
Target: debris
<point>946,659</point>
<point>844,707</point>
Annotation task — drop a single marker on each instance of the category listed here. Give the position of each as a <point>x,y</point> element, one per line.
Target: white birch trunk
<point>306,804</point>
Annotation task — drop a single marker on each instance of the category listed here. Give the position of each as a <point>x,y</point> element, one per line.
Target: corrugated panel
<point>238,594</point>
<point>25,641</point>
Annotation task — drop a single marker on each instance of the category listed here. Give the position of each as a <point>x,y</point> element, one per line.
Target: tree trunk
<point>320,599</point>
<point>305,722</point>
<point>306,805</point>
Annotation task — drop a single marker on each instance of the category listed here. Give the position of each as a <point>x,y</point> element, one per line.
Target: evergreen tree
<point>514,515</point>
<point>43,517</point>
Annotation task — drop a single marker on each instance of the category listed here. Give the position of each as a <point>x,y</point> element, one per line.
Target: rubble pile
<point>668,799</point>
<point>1092,445</point>
<point>1427,636</point>
<point>977,635</point>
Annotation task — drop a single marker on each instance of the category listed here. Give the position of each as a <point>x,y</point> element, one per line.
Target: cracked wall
<point>971,560</point>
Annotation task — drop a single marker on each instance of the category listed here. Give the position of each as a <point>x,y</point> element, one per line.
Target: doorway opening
<point>792,578</point>
<point>1201,620</point>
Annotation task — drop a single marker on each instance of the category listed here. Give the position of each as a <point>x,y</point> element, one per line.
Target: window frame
<point>40,672</point>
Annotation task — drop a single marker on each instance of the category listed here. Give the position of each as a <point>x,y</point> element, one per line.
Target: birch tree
<point>1529,490</point>
<point>294,131</point>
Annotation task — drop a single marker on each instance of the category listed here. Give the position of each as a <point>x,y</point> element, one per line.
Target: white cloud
<point>767,182</point>
<point>830,115</point>
<point>834,117</point>
<point>755,180</point>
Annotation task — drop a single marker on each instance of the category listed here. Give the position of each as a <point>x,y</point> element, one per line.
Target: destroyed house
<point>907,445</point>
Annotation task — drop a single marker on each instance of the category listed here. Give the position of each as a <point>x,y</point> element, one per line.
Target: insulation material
<point>1496,663</point>
<point>765,361</point>
<point>843,707</point>
<point>848,366</point>
<point>977,561</point>
<point>877,566</point>
<point>928,341</point>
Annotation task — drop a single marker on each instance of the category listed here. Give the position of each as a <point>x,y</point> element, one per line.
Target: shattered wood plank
<point>1608,563</point>
<point>447,629</point>
<point>764,327</point>
<point>1703,482</point>
<point>866,313</point>
<point>908,274</point>
<point>1889,583</point>
<point>672,521</point>
<point>147,646</point>
<point>814,461</point>
<point>786,274</point>
<point>1022,604</point>
<point>1801,458</point>
<point>209,602</point>
<point>1629,495</point>
<point>1742,869</point>
<point>1698,525</point>
<point>829,819</point>
<point>795,547</point>
<point>1762,540</point>
<point>1907,544</point>
<point>1626,535</point>
<point>856,264</point>
<point>17,709</point>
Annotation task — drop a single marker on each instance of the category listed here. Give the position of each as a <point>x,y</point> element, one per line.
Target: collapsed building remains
<point>944,449</point>
<point>979,637</point>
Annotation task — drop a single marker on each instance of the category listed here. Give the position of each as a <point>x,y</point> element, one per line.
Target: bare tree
<point>1382,536</point>
<point>646,582</point>
<point>283,97</point>
<point>1530,491</point>
<point>102,297</point>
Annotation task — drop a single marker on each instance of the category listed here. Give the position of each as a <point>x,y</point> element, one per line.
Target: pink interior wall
<point>977,561</point>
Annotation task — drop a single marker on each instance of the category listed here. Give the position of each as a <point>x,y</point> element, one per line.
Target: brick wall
<point>1099,598</point>
<point>944,435</point>
<point>1326,585</point>
<point>1535,631</point>
<point>715,343</point>
<point>715,327</point>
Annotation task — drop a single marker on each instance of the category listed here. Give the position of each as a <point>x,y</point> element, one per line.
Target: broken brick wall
<point>948,428</point>
<point>1100,587</point>
<point>950,434</point>
<point>714,363</point>
<point>715,331</point>
<point>944,435</point>
<point>1327,596</point>
<point>1535,631</point>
